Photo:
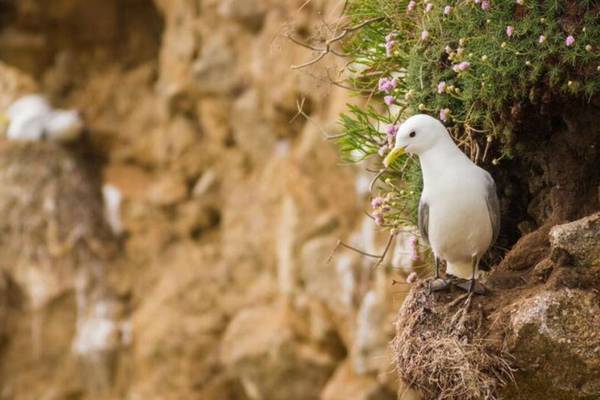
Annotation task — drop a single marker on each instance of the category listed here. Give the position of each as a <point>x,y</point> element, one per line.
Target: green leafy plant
<point>474,64</point>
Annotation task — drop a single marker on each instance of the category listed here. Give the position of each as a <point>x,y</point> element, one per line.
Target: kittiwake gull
<point>32,118</point>
<point>459,213</point>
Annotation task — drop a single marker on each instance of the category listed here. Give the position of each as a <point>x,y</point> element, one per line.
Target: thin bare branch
<point>327,49</point>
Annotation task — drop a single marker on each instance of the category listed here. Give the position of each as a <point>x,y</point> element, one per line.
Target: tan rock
<point>167,190</point>
<point>131,180</point>
<point>248,12</point>
<point>14,84</point>
<point>347,384</point>
<point>215,71</point>
<point>556,330</point>
<point>271,362</point>
<point>578,241</point>
<point>215,117</point>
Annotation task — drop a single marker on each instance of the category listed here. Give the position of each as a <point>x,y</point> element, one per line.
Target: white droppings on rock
<point>534,311</point>
<point>205,183</point>
<point>282,148</point>
<point>96,334</point>
<point>344,268</point>
<point>112,208</point>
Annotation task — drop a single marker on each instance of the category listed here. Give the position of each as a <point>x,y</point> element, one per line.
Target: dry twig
<point>328,44</point>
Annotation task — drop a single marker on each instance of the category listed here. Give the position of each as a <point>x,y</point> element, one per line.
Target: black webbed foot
<point>471,286</point>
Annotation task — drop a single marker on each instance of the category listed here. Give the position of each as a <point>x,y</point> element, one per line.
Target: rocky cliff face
<point>214,282</point>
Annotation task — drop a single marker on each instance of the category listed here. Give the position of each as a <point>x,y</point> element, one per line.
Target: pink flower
<point>378,219</point>
<point>389,47</point>
<point>391,131</point>
<point>444,114</point>
<point>411,5</point>
<point>570,40</point>
<point>447,10</point>
<point>428,7</point>
<point>387,85</point>
<point>424,35</point>
<point>414,252</point>
<point>389,100</point>
<point>412,277</point>
<point>441,87</point>
<point>542,39</point>
<point>390,43</point>
<point>509,31</point>
<point>485,5</point>
<point>377,202</point>
<point>461,67</point>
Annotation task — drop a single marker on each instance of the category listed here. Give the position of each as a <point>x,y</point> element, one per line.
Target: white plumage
<point>32,118</point>
<point>458,211</point>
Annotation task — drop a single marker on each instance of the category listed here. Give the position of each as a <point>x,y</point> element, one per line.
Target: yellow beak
<point>393,156</point>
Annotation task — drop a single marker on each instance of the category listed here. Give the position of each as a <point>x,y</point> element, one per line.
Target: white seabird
<point>32,118</point>
<point>459,213</point>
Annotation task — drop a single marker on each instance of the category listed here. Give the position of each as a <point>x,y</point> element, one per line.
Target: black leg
<point>471,285</point>
<point>437,284</point>
<point>475,262</point>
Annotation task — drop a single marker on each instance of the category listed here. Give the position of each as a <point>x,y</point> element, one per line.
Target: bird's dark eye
<point>412,134</point>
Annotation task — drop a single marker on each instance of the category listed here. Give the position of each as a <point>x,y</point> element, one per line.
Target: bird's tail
<point>462,270</point>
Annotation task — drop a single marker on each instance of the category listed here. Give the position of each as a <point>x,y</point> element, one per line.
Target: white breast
<point>459,223</point>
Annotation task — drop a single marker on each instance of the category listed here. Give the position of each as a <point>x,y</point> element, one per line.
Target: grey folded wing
<point>424,220</point>
<point>493,206</point>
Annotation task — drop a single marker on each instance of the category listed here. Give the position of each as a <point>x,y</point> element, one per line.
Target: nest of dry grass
<point>441,350</point>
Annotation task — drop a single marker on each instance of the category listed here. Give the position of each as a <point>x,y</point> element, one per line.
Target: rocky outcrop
<point>535,336</point>
<point>217,278</point>
<point>577,242</point>
<point>56,299</point>
<point>554,338</point>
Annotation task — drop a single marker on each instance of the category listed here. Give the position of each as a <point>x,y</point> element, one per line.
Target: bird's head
<point>416,135</point>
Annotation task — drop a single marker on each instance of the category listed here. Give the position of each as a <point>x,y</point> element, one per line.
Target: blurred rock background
<point>206,274</point>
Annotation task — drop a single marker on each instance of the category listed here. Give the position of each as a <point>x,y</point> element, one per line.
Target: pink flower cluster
<point>379,208</point>
<point>461,67</point>
<point>377,202</point>
<point>444,113</point>
<point>386,85</point>
<point>413,248</point>
<point>570,40</point>
<point>441,87</point>
<point>391,131</point>
<point>390,43</point>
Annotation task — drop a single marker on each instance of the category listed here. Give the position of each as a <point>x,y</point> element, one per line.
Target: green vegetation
<point>475,64</point>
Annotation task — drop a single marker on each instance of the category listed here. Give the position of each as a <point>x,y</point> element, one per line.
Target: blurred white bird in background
<point>31,117</point>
